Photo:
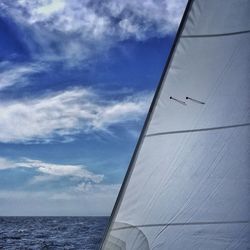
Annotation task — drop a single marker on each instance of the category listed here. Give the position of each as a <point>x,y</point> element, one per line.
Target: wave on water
<point>47,233</point>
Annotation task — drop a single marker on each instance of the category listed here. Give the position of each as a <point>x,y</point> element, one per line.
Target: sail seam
<point>198,130</point>
<point>217,35</point>
<point>182,224</point>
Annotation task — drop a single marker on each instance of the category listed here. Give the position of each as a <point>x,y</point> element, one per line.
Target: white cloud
<point>145,19</point>
<point>74,30</point>
<point>89,188</point>
<point>60,170</point>
<point>5,163</point>
<point>61,115</point>
<point>164,15</point>
<point>50,8</point>
<point>47,171</point>
<point>16,74</point>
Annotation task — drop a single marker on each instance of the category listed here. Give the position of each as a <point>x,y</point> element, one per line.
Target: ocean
<point>51,233</point>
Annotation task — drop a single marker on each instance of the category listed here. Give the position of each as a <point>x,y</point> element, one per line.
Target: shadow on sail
<point>124,236</point>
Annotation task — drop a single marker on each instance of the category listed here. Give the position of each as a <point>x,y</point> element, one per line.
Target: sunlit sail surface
<point>187,186</point>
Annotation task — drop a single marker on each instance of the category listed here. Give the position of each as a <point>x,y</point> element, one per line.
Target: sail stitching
<point>216,35</point>
<point>182,224</point>
<point>198,130</point>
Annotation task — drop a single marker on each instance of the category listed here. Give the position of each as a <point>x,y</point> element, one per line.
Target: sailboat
<point>187,186</point>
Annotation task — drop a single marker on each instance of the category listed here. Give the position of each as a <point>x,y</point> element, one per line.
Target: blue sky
<point>76,81</point>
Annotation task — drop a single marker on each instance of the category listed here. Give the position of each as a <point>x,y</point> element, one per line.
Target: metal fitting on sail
<point>179,101</point>
<point>194,100</point>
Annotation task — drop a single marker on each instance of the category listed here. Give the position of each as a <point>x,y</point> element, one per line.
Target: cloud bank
<point>98,200</point>
<point>86,194</point>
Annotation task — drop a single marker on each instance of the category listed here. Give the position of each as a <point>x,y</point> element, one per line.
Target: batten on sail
<point>187,186</point>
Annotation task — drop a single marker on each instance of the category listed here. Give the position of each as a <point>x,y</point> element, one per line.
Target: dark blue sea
<point>24,233</point>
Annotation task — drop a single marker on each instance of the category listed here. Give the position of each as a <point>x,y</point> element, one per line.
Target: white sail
<point>188,183</point>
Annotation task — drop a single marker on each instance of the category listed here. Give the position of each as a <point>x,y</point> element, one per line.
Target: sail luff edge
<point>183,224</point>
<point>198,130</point>
<point>146,123</point>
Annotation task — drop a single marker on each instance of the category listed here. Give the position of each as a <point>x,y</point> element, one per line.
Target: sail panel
<point>214,72</point>
<point>190,177</point>
<point>218,17</point>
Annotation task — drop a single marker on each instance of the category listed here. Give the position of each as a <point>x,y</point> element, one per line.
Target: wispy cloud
<point>64,114</point>
<point>50,7</point>
<point>61,170</point>
<point>46,171</point>
<point>77,30</point>
<point>82,16</point>
<point>6,164</point>
<point>13,74</point>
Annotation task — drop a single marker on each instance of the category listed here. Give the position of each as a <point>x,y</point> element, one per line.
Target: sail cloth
<point>188,183</point>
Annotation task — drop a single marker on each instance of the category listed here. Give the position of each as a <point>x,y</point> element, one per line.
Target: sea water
<point>24,233</point>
